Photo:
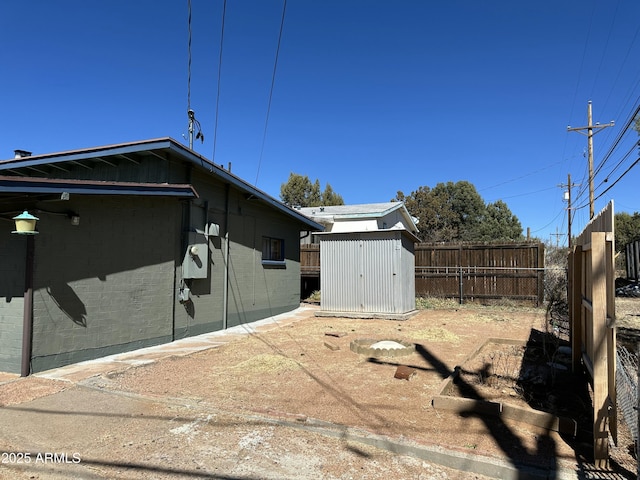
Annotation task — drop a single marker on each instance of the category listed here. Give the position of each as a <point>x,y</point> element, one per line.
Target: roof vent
<point>21,153</point>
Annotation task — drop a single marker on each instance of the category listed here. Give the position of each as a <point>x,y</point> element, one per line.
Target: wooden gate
<point>592,317</point>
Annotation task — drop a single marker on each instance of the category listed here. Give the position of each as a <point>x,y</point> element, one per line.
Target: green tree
<point>330,197</point>
<point>453,212</point>
<point>464,206</point>
<point>435,217</point>
<point>627,229</point>
<point>500,224</point>
<point>299,191</point>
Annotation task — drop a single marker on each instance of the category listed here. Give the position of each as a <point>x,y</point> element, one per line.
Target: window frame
<point>270,255</point>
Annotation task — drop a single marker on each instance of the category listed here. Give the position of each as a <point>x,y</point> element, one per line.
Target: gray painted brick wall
<point>255,291</point>
<point>12,274</point>
<point>107,285</point>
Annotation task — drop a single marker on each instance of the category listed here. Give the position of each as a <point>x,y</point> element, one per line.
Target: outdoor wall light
<point>25,224</point>
<point>75,220</point>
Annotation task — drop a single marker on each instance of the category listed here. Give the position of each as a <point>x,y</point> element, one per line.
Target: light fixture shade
<point>25,223</point>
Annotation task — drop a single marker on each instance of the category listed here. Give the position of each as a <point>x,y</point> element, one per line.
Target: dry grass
<point>268,363</point>
<point>501,305</point>
<point>435,334</point>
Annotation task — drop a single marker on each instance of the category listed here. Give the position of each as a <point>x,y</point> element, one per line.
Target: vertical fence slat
<point>467,271</point>
<point>601,403</point>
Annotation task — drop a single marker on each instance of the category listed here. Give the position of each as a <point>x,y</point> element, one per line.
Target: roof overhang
<point>84,187</point>
<point>331,214</point>
<point>402,231</point>
<point>163,148</point>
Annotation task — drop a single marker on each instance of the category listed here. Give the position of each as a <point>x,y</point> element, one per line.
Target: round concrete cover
<point>388,344</point>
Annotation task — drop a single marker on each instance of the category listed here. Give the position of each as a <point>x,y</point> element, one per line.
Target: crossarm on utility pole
<point>591,130</point>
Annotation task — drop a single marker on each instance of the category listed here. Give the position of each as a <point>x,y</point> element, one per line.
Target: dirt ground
<point>288,401</point>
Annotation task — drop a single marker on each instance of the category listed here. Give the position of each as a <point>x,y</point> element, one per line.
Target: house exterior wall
<point>107,285</point>
<point>111,284</point>
<point>255,290</point>
<point>367,272</point>
<point>13,253</point>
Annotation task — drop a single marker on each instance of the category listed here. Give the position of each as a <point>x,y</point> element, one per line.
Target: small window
<point>272,250</point>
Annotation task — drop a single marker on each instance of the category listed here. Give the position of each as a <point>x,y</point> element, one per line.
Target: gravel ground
<point>278,403</point>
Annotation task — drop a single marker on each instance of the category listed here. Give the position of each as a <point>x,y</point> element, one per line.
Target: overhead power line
<point>590,133</point>
<point>215,125</point>
<point>194,124</point>
<point>618,179</point>
<point>273,81</point>
<point>630,121</point>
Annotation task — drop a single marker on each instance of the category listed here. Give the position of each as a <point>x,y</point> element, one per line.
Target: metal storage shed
<point>367,274</point>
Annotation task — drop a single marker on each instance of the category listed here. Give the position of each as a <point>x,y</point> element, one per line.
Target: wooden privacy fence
<point>592,323</point>
<point>466,272</point>
<point>632,251</point>
<point>476,272</point>
<point>310,260</point>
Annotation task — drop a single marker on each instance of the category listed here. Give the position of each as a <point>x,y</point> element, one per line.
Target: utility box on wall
<point>196,257</point>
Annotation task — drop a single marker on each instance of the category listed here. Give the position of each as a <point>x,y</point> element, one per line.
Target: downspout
<point>27,318</point>
<point>185,225</point>
<point>225,285</point>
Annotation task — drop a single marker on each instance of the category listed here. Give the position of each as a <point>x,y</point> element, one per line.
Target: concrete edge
<point>367,315</point>
<point>181,347</point>
<point>442,400</point>
<point>457,460</point>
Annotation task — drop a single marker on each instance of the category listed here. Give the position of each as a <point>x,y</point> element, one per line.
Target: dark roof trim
<point>85,153</point>
<point>239,183</point>
<point>371,233</point>
<point>85,187</point>
<point>155,146</point>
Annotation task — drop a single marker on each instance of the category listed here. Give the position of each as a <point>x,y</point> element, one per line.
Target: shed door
<point>376,289</point>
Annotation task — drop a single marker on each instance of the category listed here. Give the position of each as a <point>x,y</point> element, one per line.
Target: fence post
<point>460,283</point>
<point>601,401</point>
<point>575,307</point>
<point>541,273</point>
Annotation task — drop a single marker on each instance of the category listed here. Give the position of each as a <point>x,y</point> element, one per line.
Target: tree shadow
<point>68,302</point>
<point>545,386</point>
<point>504,435</point>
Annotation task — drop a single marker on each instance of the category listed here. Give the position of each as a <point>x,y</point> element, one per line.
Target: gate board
<point>593,340</point>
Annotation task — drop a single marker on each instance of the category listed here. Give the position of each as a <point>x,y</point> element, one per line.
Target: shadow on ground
<point>545,381</point>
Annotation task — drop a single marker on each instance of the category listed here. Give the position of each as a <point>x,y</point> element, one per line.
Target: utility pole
<point>192,119</point>
<point>590,133</point>
<point>557,235</point>
<point>567,197</point>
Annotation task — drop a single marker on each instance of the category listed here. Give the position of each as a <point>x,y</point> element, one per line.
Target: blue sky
<point>370,96</point>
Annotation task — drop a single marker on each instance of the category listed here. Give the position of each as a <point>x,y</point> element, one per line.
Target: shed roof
<point>330,213</point>
<point>164,148</point>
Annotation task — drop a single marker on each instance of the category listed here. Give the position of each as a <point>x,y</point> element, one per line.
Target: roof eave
<point>160,144</point>
<point>56,186</point>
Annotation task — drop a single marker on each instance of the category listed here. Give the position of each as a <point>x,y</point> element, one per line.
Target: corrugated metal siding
<point>407,296</point>
<point>339,274</point>
<point>378,279</point>
<point>368,272</point>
